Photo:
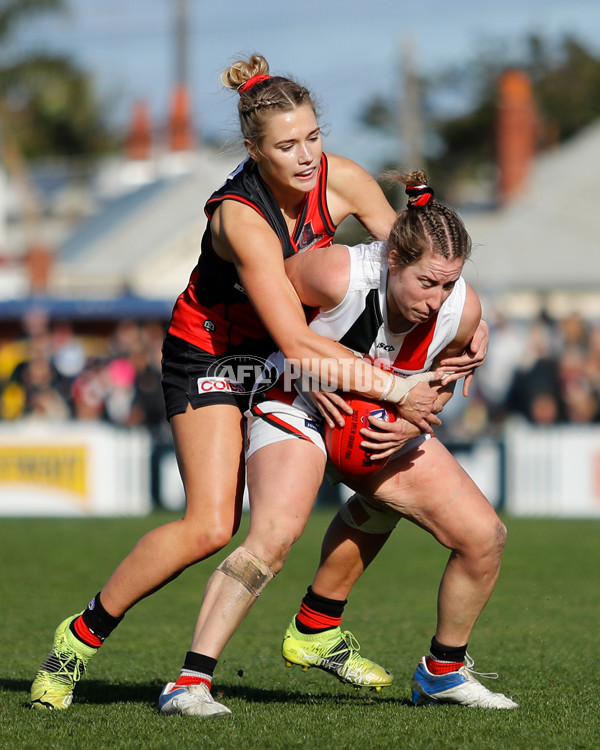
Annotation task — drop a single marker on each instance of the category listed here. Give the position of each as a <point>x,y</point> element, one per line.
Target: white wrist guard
<point>398,388</point>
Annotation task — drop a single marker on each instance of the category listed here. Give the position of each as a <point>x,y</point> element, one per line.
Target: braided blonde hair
<point>272,94</point>
<point>425,225</point>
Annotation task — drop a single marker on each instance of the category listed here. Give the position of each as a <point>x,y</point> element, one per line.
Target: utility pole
<point>181,136</point>
<point>411,120</point>
<point>181,42</point>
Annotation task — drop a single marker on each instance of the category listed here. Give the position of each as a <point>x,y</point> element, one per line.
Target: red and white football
<point>343,443</point>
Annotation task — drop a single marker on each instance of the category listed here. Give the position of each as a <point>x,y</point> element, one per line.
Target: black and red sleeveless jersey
<point>214,312</point>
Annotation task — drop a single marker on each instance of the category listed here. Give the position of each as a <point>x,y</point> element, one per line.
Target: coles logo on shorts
<point>239,373</point>
<point>219,385</point>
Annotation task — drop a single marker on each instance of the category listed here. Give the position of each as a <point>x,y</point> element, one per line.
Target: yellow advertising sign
<point>57,467</point>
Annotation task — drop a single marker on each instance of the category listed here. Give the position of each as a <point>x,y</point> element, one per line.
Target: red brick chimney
<point>517,133</point>
<point>139,139</point>
<point>181,137</point>
<point>38,263</point>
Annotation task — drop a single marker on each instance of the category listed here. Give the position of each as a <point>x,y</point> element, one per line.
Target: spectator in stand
<point>581,400</point>
<point>68,354</point>
<point>147,405</point>
<point>88,393</point>
<point>41,387</point>
<point>494,380</point>
<point>535,392</point>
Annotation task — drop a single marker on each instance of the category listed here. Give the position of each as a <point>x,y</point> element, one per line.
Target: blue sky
<point>345,51</point>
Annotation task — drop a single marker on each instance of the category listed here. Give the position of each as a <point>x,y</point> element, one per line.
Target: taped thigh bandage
<point>249,570</point>
<point>359,514</point>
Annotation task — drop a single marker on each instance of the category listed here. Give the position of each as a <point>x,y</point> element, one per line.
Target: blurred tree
<point>565,79</point>
<point>378,114</point>
<point>47,108</point>
<point>47,104</point>
<point>13,12</point>
<point>51,109</point>
<point>567,89</point>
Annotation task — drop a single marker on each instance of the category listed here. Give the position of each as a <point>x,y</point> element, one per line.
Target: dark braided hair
<point>425,225</point>
<point>270,93</point>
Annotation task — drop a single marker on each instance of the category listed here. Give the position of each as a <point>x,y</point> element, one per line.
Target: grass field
<point>540,632</point>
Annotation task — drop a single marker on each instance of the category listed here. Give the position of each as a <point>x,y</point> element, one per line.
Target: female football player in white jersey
<point>404,304</point>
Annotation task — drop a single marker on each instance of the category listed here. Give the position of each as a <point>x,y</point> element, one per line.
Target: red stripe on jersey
<point>234,197</point>
<point>413,352</point>
<point>326,217</point>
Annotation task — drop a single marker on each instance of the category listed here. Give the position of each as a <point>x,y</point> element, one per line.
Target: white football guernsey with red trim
<point>358,321</point>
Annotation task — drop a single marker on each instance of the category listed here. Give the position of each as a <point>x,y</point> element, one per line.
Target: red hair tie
<point>419,195</point>
<point>253,81</point>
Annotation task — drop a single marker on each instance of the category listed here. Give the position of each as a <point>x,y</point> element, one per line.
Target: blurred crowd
<point>52,374</point>
<point>544,371</point>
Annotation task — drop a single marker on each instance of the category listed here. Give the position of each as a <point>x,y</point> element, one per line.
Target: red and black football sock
<point>197,669</point>
<point>94,625</point>
<point>443,659</point>
<point>318,613</point>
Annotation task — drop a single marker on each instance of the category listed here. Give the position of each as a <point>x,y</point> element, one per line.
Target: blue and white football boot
<point>458,687</point>
<point>191,700</point>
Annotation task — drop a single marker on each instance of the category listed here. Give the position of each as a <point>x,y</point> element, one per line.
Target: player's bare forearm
<point>466,364</point>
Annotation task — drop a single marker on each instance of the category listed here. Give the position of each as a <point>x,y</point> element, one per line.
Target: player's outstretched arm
<point>472,356</point>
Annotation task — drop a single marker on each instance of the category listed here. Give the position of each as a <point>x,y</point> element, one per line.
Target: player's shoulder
<point>349,183</point>
<point>470,317</point>
<point>340,167</point>
<point>472,306</point>
<point>236,215</point>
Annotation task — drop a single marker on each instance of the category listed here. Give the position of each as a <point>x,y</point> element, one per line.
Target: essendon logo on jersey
<point>308,238</point>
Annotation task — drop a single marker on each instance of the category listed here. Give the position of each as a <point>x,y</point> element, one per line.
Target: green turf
<point>540,632</point>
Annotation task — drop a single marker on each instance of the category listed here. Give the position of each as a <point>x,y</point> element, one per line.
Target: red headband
<point>252,81</point>
<point>419,195</point>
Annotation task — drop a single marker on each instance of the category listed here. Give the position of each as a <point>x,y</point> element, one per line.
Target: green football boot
<point>334,651</point>
<point>61,670</point>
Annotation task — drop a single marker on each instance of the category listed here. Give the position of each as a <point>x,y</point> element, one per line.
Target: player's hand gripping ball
<point>343,443</point>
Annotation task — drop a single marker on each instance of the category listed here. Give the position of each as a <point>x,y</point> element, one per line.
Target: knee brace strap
<point>359,514</point>
<point>249,570</point>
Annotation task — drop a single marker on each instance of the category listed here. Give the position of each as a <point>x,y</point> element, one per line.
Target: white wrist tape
<point>389,386</point>
<point>398,389</point>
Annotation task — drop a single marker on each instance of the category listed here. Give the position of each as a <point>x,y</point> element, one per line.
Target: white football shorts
<point>273,421</point>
